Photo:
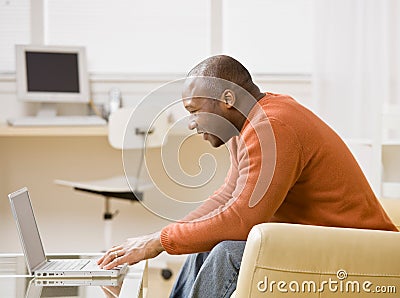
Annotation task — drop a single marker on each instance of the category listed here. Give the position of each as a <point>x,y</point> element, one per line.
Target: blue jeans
<point>210,274</point>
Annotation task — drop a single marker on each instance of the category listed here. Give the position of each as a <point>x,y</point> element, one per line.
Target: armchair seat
<point>290,260</point>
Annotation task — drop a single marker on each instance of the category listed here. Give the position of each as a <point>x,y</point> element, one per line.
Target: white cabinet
<point>390,151</point>
<point>379,156</point>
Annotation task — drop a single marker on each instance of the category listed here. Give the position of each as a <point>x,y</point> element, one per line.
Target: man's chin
<point>213,140</point>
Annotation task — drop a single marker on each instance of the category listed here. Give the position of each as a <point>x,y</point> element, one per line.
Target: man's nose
<point>192,124</point>
<point>192,121</point>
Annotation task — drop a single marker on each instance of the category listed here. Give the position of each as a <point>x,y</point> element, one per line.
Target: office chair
<point>127,130</point>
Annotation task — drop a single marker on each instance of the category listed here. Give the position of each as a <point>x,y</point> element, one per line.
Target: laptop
<point>69,287</point>
<point>36,261</point>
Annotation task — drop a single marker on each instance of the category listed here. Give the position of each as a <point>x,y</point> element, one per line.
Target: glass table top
<point>15,281</point>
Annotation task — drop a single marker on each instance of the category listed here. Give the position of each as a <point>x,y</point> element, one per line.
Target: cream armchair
<point>288,260</point>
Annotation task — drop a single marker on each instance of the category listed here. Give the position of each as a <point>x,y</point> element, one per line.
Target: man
<point>287,166</point>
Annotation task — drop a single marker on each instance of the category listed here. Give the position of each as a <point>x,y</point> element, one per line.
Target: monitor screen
<point>51,74</point>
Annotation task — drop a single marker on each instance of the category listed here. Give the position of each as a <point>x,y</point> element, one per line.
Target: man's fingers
<point>99,261</point>
<point>123,259</point>
<point>111,265</point>
<point>116,262</point>
<point>106,259</point>
<point>109,256</point>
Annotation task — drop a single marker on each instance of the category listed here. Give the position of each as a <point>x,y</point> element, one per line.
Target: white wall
<point>156,36</point>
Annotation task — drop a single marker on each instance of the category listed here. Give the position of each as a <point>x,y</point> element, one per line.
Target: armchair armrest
<point>302,256</point>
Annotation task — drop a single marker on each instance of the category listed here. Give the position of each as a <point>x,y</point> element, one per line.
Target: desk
<point>55,131</point>
<point>15,281</point>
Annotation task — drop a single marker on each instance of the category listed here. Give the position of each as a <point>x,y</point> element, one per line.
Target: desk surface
<point>15,282</point>
<point>55,131</point>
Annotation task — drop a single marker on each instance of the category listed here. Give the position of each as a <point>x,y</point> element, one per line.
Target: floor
<point>157,285</point>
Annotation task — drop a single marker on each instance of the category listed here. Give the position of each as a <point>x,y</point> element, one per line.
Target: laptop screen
<point>27,228</point>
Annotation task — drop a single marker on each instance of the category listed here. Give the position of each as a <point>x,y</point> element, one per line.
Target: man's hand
<point>132,251</point>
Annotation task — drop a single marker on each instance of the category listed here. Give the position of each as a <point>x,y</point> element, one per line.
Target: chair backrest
<point>129,128</point>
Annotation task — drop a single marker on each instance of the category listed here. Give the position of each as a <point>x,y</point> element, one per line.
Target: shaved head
<point>226,68</point>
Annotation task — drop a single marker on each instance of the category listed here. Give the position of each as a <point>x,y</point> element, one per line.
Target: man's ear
<point>228,97</point>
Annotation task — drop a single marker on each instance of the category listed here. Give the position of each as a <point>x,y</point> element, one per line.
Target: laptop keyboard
<point>64,265</point>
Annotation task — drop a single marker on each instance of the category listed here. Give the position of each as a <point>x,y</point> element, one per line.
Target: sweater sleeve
<point>255,197</point>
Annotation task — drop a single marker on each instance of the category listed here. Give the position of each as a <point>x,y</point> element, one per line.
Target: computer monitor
<point>51,74</point>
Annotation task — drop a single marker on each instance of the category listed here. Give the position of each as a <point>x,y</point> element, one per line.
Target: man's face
<point>208,116</point>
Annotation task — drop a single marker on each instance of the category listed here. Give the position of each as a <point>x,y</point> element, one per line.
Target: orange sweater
<point>316,181</point>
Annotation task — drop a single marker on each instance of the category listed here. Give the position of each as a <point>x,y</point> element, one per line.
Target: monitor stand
<point>47,109</point>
